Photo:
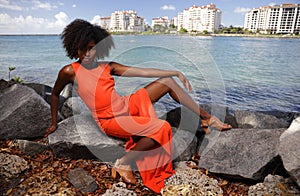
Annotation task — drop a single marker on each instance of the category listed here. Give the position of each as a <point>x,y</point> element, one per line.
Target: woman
<point>129,117</point>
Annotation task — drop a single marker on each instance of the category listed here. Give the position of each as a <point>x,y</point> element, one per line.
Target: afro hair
<point>79,33</point>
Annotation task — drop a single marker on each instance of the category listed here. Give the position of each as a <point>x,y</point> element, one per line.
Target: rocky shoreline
<point>254,158</point>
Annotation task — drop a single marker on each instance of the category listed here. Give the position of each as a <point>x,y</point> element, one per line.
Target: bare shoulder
<point>66,74</point>
<point>68,70</point>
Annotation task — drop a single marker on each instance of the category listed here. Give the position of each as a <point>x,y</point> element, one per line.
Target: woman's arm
<point>128,71</point>
<point>65,76</point>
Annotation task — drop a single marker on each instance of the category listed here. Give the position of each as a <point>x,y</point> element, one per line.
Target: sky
<point>50,17</point>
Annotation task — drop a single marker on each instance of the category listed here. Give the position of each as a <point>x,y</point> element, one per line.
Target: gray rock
<point>274,185</point>
<point>184,145</point>
<point>24,114</point>
<point>80,137</point>
<point>31,148</point>
<point>82,181</point>
<point>43,90</point>
<point>242,153</point>
<point>3,84</point>
<point>184,118</point>
<point>119,189</point>
<point>259,120</point>
<point>73,106</point>
<point>12,165</point>
<point>289,150</point>
<point>188,181</point>
<point>68,92</point>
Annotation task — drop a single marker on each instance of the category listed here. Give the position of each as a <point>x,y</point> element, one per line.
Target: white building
<point>163,21</point>
<point>126,21</point>
<point>284,18</point>
<point>200,18</point>
<point>174,21</point>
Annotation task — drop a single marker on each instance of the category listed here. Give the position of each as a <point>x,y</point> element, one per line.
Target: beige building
<point>200,18</point>
<point>105,22</point>
<point>284,18</point>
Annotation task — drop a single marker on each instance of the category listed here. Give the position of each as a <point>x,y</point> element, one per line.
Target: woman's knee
<point>168,81</point>
<point>166,126</point>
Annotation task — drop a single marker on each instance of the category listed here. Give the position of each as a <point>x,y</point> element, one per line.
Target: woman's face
<point>87,55</point>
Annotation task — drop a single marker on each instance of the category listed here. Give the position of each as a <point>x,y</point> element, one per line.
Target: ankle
<point>205,117</point>
<point>122,161</point>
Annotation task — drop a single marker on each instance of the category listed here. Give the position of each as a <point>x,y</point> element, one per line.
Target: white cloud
<point>74,5</point>
<point>7,5</point>
<point>32,25</point>
<point>241,10</point>
<point>28,5</point>
<point>39,5</point>
<point>60,22</point>
<point>168,7</point>
<point>96,20</point>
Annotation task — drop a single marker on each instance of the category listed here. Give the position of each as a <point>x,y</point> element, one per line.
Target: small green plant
<point>10,69</point>
<point>17,79</point>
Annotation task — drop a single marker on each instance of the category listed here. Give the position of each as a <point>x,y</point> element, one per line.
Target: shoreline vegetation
<point>181,34</point>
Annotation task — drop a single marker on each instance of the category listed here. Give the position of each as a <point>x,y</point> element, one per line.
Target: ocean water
<point>243,73</point>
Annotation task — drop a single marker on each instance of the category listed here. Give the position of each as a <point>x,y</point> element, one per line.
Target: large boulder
<point>24,114</point>
<point>274,185</point>
<point>189,181</point>
<point>184,144</point>
<point>73,106</point>
<point>289,150</point>
<point>260,120</point>
<point>80,137</point>
<point>45,92</point>
<point>242,153</point>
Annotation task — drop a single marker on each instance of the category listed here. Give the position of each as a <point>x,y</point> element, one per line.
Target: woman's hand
<point>184,81</point>
<point>50,130</point>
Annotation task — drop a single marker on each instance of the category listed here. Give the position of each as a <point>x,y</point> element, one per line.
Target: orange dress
<point>127,116</point>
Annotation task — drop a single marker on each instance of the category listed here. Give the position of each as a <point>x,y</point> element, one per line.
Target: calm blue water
<point>243,73</point>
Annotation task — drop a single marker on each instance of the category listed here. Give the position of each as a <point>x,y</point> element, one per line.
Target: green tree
<point>159,28</point>
<point>183,30</point>
<point>172,26</point>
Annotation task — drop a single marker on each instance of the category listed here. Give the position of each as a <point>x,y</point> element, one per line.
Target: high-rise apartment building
<point>200,18</point>
<point>123,21</point>
<point>284,18</point>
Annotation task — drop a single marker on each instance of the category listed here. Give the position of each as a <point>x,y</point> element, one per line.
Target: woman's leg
<point>151,140</point>
<point>143,144</point>
<point>147,134</point>
<point>162,86</point>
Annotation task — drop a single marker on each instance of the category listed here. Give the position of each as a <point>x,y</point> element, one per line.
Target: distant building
<point>200,18</point>
<point>126,21</point>
<point>105,22</point>
<point>284,18</point>
<point>163,21</point>
<point>174,21</point>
